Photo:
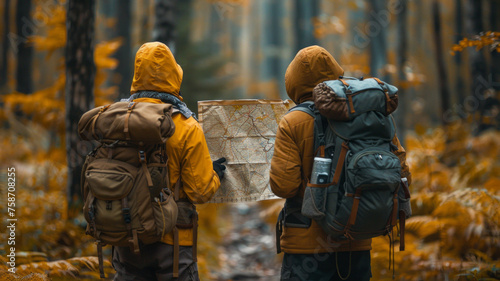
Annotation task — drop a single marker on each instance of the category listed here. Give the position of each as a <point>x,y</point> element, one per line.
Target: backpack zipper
<point>353,163</point>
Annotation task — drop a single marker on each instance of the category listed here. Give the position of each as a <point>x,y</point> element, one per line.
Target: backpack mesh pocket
<point>314,202</point>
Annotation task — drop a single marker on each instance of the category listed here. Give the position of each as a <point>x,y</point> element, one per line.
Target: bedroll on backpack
<point>125,187</point>
<point>354,128</point>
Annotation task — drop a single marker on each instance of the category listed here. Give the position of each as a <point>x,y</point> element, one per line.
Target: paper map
<point>242,131</point>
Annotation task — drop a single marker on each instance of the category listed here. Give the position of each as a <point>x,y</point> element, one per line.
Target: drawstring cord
<point>337,264</point>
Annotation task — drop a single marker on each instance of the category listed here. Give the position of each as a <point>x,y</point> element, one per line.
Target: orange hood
<point>311,66</point>
<point>156,70</point>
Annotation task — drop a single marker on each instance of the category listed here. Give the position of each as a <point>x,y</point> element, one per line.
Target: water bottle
<point>321,170</point>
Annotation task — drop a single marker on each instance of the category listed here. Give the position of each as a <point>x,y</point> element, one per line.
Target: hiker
<point>157,79</point>
<point>309,253</point>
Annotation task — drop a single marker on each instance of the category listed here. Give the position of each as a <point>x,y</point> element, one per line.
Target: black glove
<point>219,168</point>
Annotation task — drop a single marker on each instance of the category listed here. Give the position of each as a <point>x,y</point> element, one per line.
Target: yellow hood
<point>156,70</point>
<point>311,66</point>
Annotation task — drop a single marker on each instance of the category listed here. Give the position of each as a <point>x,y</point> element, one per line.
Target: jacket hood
<point>156,70</point>
<point>311,66</point>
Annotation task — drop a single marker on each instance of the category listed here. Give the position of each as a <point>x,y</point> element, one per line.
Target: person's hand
<point>219,168</point>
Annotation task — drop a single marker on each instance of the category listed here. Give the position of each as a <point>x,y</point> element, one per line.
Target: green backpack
<point>353,127</point>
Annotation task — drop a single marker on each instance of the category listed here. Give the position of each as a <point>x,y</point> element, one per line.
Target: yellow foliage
<point>103,62</point>
<point>46,106</point>
<point>56,34</point>
<point>484,39</point>
<point>455,191</point>
<point>324,26</point>
<point>81,268</point>
<point>36,130</point>
<point>456,207</point>
<point>230,2</point>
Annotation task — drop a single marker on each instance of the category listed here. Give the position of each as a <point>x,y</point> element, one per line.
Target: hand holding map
<point>242,131</point>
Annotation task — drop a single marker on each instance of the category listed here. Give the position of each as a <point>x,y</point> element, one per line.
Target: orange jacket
<point>293,155</point>
<point>188,156</point>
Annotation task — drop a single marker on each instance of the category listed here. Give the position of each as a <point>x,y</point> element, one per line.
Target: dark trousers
<point>353,266</point>
<point>154,263</point>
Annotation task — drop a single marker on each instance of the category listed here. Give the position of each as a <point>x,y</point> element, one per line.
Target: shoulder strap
<point>307,107</point>
<point>319,125</point>
<point>176,233</point>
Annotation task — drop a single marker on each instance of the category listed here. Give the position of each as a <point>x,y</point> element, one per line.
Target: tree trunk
<point>5,45</point>
<point>495,56</point>
<point>480,80</point>
<point>402,56</point>
<point>305,11</point>
<point>124,53</point>
<point>442,75</point>
<point>376,28</point>
<point>459,25</point>
<point>164,29</point>
<point>80,72</point>
<point>25,28</point>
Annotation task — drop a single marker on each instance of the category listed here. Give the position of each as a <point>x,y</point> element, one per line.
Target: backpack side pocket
<point>165,212</point>
<point>314,202</point>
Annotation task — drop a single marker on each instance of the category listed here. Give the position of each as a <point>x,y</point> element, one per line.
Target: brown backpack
<point>125,184</point>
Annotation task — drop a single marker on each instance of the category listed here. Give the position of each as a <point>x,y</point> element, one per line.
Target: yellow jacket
<point>293,154</point>
<point>188,156</point>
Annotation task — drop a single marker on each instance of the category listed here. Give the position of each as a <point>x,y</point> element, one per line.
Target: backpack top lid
<point>346,98</point>
<point>357,85</point>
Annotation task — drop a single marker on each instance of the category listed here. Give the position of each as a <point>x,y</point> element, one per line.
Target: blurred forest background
<point>444,56</point>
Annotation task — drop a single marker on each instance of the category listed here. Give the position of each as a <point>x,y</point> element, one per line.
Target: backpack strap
<point>176,233</point>
<point>101,260</point>
<point>340,162</point>
<point>195,235</point>
<point>177,188</point>
<point>279,230</point>
<point>96,234</point>
<point>354,211</point>
<point>402,224</point>
<point>319,125</point>
<point>132,233</point>
<point>94,121</point>
<point>403,215</point>
<point>143,160</point>
<point>292,215</point>
<point>131,106</point>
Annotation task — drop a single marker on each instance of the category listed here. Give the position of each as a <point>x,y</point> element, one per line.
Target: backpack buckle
<point>131,106</point>
<point>142,156</point>
<point>91,212</point>
<point>126,215</point>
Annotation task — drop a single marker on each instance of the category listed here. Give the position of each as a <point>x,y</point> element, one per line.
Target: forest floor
<point>248,250</point>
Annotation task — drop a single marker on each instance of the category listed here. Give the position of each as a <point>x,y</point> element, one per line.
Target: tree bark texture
<point>24,50</point>
<point>124,53</point>
<point>305,11</point>
<point>402,57</point>
<point>376,28</point>
<point>459,25</point>
<point>80,72</point>
<point>164,28</point>
<point>442,75</point>
<point>5,44</point>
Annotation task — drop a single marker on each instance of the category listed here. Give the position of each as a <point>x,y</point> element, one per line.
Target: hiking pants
<point>154,263</point>
<point>323,266</point>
